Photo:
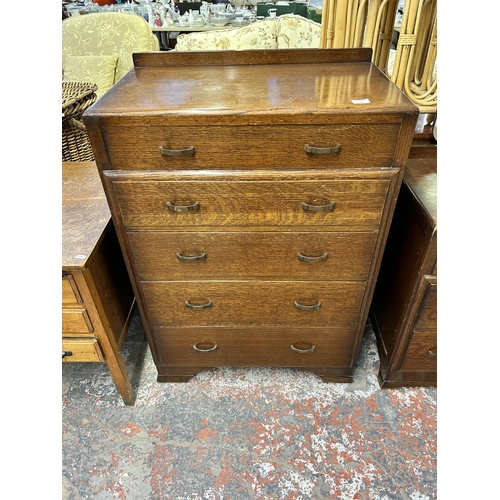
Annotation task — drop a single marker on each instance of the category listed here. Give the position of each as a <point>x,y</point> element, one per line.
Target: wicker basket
<point>76,98</point>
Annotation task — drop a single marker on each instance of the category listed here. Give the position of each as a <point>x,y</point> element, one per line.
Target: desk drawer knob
<point>307,307</point>
<point>431,353</point>
<point>177,152</point>
<point>183,208</point>
<point>318,208</point>
<point>206,305</point>
<point>66,353</point>
<point>322,151</point>
<point>205,346</point>
<point>191,258</point>
<point>302,348</point>
<point>305,258</point>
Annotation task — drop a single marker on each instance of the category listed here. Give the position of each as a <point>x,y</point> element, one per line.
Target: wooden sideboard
<point>404,306</point>
<point>97,297</point>
<point>252,192</point>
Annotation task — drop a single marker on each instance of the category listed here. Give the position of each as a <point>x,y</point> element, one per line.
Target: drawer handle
<point>204,346</point>
<point>198,306</point>
<point>305,258</point>
<point>66,353</point>
<point>177,152</point>
<point>432,353</point>
<point>322,151</point>
<point>305,307</point>
<point>302,349</point>
<point>318,208</point>
<point>183,208</point>
<point>191,258</point>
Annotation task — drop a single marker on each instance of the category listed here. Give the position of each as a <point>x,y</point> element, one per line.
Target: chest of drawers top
<point>296,86</point>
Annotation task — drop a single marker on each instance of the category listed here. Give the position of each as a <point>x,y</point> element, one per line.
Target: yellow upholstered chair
<point>97,48</point>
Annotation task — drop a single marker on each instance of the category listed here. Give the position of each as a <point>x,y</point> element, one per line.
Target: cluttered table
<point>167,20</point>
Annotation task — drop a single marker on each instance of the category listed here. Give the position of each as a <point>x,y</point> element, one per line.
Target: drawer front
<point>272,347</point>
<point>157,205</point>
<point>328,255</point>
<point>427,316</point>
<point>76,321</point>
<point>70,293</point>
<point>251,147</point>
<point>82,350</point>
<point>253,304</point>
<point>421,354</point>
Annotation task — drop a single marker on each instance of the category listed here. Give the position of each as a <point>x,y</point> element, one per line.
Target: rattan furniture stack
<point>252,192</point>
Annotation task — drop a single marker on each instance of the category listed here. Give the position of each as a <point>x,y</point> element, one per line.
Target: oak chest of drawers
<point>252,193</point>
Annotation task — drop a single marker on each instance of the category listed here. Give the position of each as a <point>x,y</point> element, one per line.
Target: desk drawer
<point>307,255</point>
<point>421,354</point>
<point>70,293</point>
<point>253,303</point>
<point>271,347</point>
<point>251,147</point>
<point>427,315</point>
<point>192,202</point>
<point>82,350</point>
<point>76,321</point>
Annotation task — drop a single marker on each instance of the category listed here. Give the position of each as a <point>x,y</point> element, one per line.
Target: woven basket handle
<point>78,124</point>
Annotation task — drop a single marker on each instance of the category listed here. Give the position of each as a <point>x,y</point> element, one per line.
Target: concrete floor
<point>240,434</point>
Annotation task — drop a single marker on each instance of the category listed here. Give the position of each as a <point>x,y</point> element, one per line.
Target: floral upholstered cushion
<point>296,32</point>
<point>108,34</point>
<point>260,35</point>
<point>93,69</point>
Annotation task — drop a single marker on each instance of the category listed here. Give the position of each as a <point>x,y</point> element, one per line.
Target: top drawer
<point>250,147</point>
<point>70,293</point>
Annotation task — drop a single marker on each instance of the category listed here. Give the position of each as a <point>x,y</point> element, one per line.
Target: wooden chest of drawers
<point>252,193</point>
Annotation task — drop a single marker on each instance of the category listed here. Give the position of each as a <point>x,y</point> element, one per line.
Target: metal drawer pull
<point>317,208</point>
<point>304,307</point>
<point>303,350</point>
<point>205,347</point>
<point>322,151</point>
<point>183,208</point>
<point>193,258</point>
<point>432,353</point>
<point>177,152</point>
<point>198,306</point>
<point>305,258</point>
<point>66,353</point>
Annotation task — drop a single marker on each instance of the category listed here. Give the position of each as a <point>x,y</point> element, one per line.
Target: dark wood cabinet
<point>252,193</point>
<point>404,306</point>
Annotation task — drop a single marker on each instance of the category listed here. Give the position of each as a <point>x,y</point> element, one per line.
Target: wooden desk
<point>404,306</point>
<point>97,297</point>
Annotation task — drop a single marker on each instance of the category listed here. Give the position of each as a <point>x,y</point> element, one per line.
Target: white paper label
<point>361,101</point>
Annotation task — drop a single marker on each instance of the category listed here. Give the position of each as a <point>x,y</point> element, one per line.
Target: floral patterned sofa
<point>284,32</point>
